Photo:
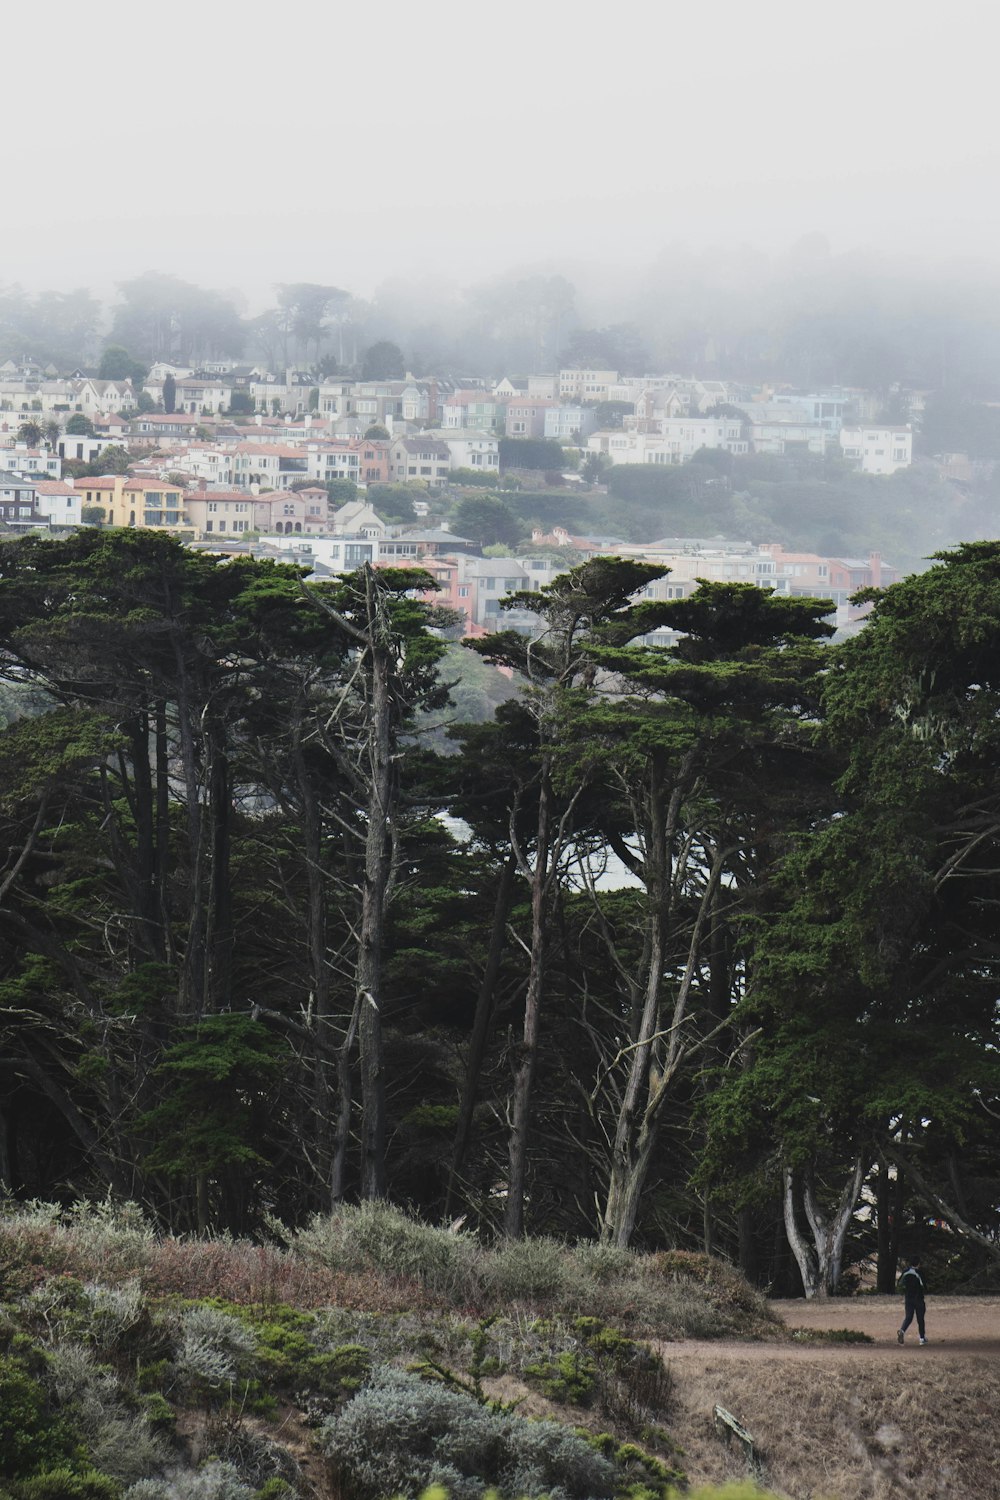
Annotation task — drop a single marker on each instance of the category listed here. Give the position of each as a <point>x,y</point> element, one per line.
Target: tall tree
<point>593,601</point>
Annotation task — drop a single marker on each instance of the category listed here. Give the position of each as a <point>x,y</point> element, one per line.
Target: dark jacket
<point>911,1284</point>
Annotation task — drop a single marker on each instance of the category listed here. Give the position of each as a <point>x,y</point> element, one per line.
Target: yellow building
<point>128,501</point>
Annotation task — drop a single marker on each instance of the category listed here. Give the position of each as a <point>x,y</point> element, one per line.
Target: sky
<point>243,144</point>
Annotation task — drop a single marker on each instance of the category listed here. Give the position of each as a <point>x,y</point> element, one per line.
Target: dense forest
<point>690,946</point>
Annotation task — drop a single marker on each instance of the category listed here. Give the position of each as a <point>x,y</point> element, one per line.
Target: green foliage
<point>31,1439</point>
<point>118,364</point>
<point>400,1434</point>
<point>487,520</point>
<point>471,479</point>
<point>383,360</point>
<point>530,453</point>
<point>394,502</point>
<point>64,1484</point>
<point>218,1096</point>
<point>114,459</point>
<point>340,491</point>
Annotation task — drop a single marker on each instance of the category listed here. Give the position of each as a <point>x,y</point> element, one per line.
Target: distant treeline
<point>807,318</point>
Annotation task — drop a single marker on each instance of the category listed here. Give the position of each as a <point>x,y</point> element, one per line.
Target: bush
<point>376,1236</point>
<point>214,1347</point>
<point>119,1442</point>
<point>529,1271</point>
<point>215,1481</point>
<point>400,1434</point>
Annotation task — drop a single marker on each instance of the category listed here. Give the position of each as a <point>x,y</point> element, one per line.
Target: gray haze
<point>239,145</point>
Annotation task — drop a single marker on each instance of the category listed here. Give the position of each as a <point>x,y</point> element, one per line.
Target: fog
<point>243,145</point>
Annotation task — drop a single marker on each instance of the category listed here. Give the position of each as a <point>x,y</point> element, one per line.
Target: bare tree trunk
<point>655,1062</point>
<point>819,1257</point>
<point>527,1052</point>
<point>342,1130</point>
<point>485,1004</point>
<point>378,853</point>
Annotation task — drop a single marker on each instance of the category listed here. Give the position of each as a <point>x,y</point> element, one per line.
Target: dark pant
<point>915,1308</point>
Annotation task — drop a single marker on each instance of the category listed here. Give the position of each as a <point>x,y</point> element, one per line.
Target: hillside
<point>369,1355</point>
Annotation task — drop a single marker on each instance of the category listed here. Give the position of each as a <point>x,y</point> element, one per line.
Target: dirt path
<point>853,1421</point>
<point>955,1325</point>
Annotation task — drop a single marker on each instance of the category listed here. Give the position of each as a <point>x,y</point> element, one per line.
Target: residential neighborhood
<point>247,457</point>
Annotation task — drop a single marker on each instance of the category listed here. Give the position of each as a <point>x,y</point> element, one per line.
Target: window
<point>463,591</point>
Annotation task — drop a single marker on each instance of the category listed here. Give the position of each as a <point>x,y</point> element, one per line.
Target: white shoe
<point>925,1341</point>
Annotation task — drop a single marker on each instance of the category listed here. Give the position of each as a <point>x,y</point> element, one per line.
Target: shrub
<point>63,1484</point>
<point>376,1236</point>
<point>215,1481</point>
<point>29,1439</point>
<point>531,1271</point>
<point>213,1347</point>
<point>399,1434</point>
<point>119,1441</point>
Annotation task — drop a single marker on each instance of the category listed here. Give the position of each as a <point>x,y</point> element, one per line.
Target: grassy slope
<point>369,1288</point>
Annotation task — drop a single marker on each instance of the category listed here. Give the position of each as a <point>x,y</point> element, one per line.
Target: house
<point>288,512</point>
<point>423,459</point>
<point>79,448</point>
<point>543,385</point>
<point>472,409</point>
<point>268,466</point>
<point>206,394</point>
<point>215,513</point>
<point>572,423</point>
<point>585,385</point>
<point>357,518</point>
<point>128,500</point>
<point>471,450</point>
<point>416,545</point>
<point>19,509</point>
<point>788,437</point>
<point>526,416</point>
<point>487,580</point>
<point>32,462</point>
<point>159,371</point>
<point>676,442</point>
<point>59,501</point>
<point>877,450</point>
<point>98,397</point>
<point>156,425</point>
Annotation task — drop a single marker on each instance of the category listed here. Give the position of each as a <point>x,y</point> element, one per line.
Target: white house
<point>878,450</point>
<point>472,450</point>
<point>586,385</point>
<point>33,462</point>
<point>676,442</point>
<point>57,499</point>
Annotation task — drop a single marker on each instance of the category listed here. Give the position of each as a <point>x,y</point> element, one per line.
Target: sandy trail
<point>955,1325</point>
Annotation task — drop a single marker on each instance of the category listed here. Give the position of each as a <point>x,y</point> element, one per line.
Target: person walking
<point>913,1287</point>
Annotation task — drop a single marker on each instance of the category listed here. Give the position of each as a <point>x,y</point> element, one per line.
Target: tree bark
<point>482,1021</point>
<point>527,1052</point>
<point>819,1258</point>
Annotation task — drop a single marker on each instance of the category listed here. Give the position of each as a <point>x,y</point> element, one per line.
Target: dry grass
<point>865,1429</point>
